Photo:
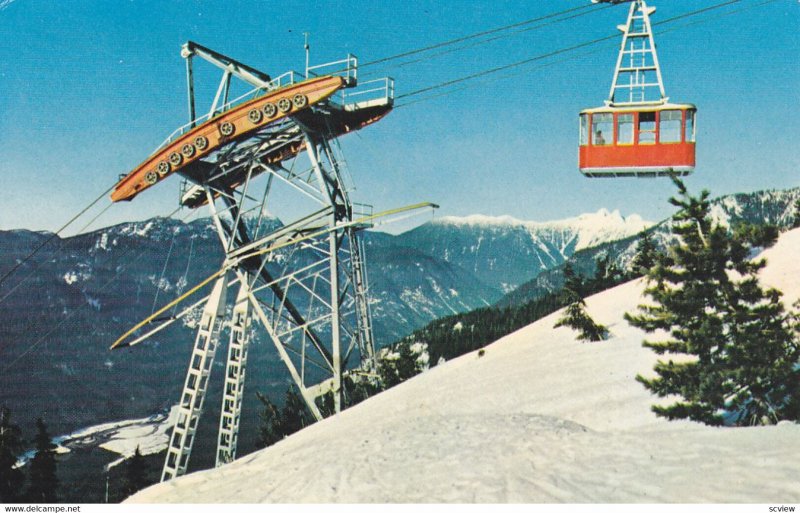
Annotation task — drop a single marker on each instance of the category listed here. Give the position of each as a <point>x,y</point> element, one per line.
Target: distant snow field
<point>148,434</point>
<point>540,417</point>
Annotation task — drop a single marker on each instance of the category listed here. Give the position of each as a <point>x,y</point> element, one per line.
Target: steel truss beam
<point>304,284</point>
<point>637,73</point>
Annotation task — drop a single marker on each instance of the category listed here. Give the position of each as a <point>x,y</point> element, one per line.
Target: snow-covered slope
<point>539,417</point>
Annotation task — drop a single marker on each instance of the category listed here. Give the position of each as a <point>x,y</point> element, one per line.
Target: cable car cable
<point>163,271</point>
<point>54,235</point>
<point>492,39</point>
<point>64,243</point>
<point>485,41</point>
<point>472,36</point>
<point>553,53</point>
<point>596,50</point>
<point>111,280</point>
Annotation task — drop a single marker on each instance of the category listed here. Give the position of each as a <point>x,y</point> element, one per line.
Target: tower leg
<point>234,376</point>
<point>194,388</point>
<point>363,315</point>
<point>335,319</point>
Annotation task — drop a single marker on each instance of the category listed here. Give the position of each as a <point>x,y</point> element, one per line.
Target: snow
<point>123,437</point>
<point>538,417</point>
<point>592,228</point>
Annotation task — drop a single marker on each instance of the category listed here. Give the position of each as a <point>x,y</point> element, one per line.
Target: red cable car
<point>643,134</point>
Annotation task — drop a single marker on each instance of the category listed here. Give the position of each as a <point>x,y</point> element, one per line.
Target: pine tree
<point>294,415</point>
<point>397,365</point>
<point>646,254</point>
<point>136,474</point>
<point>576,317</point>
<point>736,345</point>
<point>796,220</point>
<point>11,478</point>
<point>574,284</point>
<point>270,431</point>
<point>276,425</point>
<point>43,480</point>
<point>606,275</point>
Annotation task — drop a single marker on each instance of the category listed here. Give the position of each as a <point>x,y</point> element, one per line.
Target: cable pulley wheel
<point>200,142</point>
<point>254,116</point>
<point>227,129</point>
<point>175,158</point>
<point>151,177</point>
<point>187,150</point>
<point>162,168</point>
<point>300,101</point>
<point>270,110</point>
<point>284,105</point>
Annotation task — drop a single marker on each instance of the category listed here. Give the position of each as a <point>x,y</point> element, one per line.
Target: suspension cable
<point>114,278</point>
<point>472,36</point>
<point>491,39</point>
<point>64,243</point>
<point>554,53</point>
<point>54,235</point>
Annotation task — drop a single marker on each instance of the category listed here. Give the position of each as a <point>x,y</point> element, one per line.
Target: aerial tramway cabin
<point>637,140</point>
<point>638,131</point>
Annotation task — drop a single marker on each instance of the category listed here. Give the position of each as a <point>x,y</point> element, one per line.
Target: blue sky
<point>88,89</point>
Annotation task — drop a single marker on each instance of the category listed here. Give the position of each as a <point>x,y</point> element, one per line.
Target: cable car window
<point>669,126</point>
<point>647,128</point>
<point>625,129</point>
<point>603,129</point>
<point>690,114</point>
<point>584,130</point>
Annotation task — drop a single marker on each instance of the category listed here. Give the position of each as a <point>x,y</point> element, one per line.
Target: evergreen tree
<point>736,345</point>
<point>294,415</point>
<point>398,365</point>
<point>646,254</point>
<point>276,425</point>
<point>270,430</point>
<point>43,480</point>
<point>11,478</point>
<point>574,284</point>
<point>136,474</point>
<point>796,220</point>
<point>606,275</point>
<point>576,317</point>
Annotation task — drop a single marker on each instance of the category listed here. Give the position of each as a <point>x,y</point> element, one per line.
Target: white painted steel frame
<point>636,46</point>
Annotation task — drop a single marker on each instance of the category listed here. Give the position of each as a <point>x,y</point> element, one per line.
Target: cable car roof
<point>641,107</point>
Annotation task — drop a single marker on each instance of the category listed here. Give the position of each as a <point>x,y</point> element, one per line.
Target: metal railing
<point>346,68</point>
<point>354,93</point>
<point>379,89</point>
<point>284,80</point>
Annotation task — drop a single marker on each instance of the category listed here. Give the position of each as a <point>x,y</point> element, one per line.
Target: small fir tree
<point>796,220</point>
<point>294,415</point>
<point>736,344</point>
<point>270,431</point>
<point>576,317</point>
<point>574,284</point>
<point>11,477</point>
<point>646,254</point>
<point>397,365</point>
<point>43,480</point>
<point>276,425</point>
<point>135,474</point>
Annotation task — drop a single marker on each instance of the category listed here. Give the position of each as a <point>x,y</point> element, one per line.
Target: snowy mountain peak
<point>589,228</point>
<point>601,216</point>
